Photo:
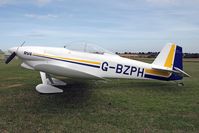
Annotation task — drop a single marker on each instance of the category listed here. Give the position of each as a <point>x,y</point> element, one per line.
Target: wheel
<point>180,84</point>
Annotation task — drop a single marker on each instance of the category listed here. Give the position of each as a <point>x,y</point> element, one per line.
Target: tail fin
<point>171,58</point>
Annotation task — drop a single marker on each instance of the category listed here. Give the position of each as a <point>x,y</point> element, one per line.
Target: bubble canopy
<point>87,48</point>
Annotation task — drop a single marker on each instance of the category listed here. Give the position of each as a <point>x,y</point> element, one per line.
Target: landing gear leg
<point>47,84</point>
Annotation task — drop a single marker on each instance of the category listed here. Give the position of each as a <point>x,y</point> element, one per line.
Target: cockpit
<point>87,48</point>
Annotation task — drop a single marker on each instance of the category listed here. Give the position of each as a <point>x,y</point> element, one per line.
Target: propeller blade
<point>10,57</point>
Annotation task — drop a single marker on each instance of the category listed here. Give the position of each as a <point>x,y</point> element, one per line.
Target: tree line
<point>155,54</point>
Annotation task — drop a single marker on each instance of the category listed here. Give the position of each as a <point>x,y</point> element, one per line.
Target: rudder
<point>171,58</point>
<point>178,63</point>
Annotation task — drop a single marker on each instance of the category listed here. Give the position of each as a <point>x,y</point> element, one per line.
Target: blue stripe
<point>178,62</point>
<point>178,58</point>
<point>156,77</point>
<point>69,61</point>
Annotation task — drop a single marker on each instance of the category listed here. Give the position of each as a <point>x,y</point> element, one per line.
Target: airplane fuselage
<point>73,64</point>
<point>168,65</point>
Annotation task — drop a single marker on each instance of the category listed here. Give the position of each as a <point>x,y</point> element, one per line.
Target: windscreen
<point>87,47</point>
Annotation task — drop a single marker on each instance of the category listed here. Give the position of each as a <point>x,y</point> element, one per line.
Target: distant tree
<point>191,55</point>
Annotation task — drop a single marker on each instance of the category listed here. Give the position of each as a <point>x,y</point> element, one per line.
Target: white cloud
<point>172,2</point>
<point>43,2</point>
<point>16,2</point>
<point>162,1</point>
<point>38,16</point>
<point>4,2</point>
<point>51,33</point>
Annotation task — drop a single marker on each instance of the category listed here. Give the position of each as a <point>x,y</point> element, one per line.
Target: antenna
<point>23,43</point>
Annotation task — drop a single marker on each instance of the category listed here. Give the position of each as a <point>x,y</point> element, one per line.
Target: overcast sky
<point>118,25</point>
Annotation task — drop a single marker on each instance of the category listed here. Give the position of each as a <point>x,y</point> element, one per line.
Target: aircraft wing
<point>177,70</point>
<point>66,71</point>
<point>24,65</point>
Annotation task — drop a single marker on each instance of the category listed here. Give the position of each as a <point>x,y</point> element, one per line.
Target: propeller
<point>12,56</point>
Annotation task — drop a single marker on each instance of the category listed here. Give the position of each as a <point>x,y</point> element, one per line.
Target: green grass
<point>1,56</point>
<point>113,106</point>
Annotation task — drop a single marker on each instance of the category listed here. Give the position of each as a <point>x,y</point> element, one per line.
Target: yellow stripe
<point>157,72</point>
<point>70,59</point>
<point>170,57</point>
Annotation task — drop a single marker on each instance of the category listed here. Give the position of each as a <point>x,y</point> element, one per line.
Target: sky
<point>118,25</point>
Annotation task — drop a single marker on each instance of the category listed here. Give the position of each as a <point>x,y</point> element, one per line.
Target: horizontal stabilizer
<point>177,70</point>
<point>182,72</point>
<point>161,68</point>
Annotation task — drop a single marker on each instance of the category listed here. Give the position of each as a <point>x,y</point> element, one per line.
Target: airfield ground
<point>113,106</point>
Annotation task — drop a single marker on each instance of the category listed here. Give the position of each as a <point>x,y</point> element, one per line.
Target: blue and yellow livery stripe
<point>157,72</point>
<point>163,75</point>
<point>156,77</point>
<point>170,57</point>
<point>94,64</point>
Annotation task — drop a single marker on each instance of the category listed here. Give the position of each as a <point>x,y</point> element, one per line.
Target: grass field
<point>107,107</point>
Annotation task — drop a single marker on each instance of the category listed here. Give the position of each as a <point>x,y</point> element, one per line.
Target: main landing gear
<point>48,84</point>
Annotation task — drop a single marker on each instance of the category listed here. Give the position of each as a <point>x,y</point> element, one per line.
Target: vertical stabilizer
<point>171,58</point>
<point>166,56</point>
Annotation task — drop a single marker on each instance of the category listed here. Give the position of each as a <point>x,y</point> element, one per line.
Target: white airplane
<point>168,66</point>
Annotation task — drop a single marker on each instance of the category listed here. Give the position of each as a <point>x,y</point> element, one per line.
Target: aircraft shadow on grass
<point>73,93</point>
<point>78,96</point>
<point>80,92</point>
